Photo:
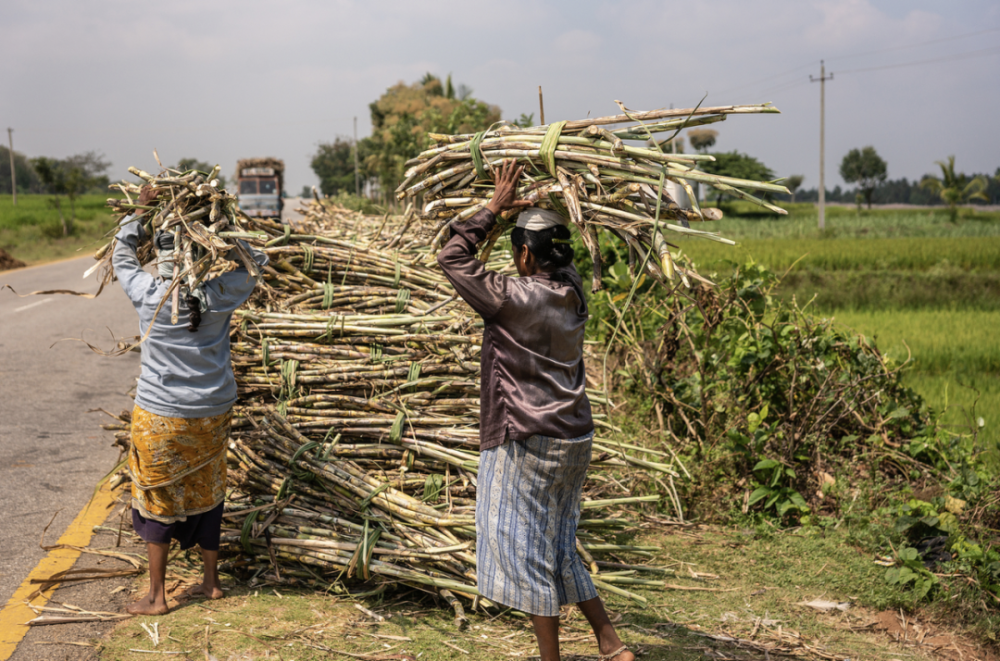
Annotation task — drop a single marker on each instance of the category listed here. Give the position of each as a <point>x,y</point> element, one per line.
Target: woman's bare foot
<point>624,655</point>
<point>205,590</point>
<point>148,606</point>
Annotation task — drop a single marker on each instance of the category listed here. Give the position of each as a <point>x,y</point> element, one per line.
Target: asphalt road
<point>52,451</point>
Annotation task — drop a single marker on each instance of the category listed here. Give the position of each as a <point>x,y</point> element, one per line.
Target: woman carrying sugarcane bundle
<point>535,420</point>
<point>183,406</point>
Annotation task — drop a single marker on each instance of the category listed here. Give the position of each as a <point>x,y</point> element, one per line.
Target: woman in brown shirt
<point>535,422</point>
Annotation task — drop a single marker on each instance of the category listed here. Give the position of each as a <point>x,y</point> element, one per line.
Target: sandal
<point>613,655</point>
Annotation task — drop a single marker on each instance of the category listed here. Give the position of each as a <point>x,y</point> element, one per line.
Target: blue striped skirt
<point>527,510</point>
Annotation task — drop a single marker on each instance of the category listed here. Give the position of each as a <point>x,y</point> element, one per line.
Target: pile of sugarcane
<point>354,451</point>
<point>598,177</point>
<point>204,220</point>
<point>324,216</point>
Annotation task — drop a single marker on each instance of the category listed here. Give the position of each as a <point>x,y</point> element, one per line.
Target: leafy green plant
<point>759,394</point>
<point>918,520</point>
<point>955,188</point>
<point>911,571</point>
<point>773,489</point>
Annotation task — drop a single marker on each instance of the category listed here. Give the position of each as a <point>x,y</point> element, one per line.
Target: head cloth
<point>536,219</point>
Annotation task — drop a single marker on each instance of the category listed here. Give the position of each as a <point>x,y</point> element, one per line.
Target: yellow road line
<point>15,614</point>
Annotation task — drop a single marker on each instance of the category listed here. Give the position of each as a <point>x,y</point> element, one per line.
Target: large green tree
<point>865,168</point>
<point>27,179</point>
<point>793,182</point>
<point>740,166</point>
<point>702,139</point>
<point>955,188</point>
<point>72,177</point>
<point>333,164</point>
<point>403,117</point>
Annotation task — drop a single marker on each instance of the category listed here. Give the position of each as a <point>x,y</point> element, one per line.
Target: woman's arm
<point>484,290</point>
<point>128,270</point>
<point>231,290</point>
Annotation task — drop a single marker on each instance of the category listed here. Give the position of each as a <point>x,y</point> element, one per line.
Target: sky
<point>228,79</point>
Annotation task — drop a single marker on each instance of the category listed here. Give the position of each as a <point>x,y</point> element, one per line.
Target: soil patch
<point>8,262</point>
<point>908,631</point>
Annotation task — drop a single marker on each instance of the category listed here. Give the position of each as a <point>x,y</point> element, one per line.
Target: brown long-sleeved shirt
<point>532,374</point>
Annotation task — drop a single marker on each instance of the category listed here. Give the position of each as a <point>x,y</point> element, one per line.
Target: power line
<point>995,50</point>
<point>923,43</point>
<point>782,86</point>
<point>764,80</point>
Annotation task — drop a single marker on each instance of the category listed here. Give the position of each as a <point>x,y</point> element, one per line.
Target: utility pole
<point>541,107</point>
<point>822,139</point>
<point>357,175</point>
<point>13,174</point>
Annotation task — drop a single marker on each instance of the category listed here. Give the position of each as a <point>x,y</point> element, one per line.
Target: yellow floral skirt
<point>177,465</point>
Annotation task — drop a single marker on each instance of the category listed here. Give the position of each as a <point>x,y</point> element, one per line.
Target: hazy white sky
<point>229,79</point>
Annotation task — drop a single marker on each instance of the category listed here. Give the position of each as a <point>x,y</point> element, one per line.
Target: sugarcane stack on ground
<point>387,232</point>
<point>354,452</point>
<point>204,220</point>
<point>591,173</point>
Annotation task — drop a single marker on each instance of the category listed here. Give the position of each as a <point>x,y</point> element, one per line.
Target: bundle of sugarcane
<point>203,219</point>
<point>592,175</point>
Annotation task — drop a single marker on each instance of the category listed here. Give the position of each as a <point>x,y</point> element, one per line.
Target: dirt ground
<point>7,261</point>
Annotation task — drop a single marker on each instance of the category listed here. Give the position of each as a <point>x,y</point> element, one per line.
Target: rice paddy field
<point>926,289</point>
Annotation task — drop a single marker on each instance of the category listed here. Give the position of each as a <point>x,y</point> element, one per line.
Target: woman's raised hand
<point>505,192</point>
<point>147,197</point>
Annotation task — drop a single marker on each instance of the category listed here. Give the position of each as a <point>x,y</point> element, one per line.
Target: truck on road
<point>261,182</point>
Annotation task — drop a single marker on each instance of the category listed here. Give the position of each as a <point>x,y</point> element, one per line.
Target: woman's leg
<point>154,603</point>
<point>547,634</point>
<point>210,586</point>
<point>607,638</point>
<point>206,533</point>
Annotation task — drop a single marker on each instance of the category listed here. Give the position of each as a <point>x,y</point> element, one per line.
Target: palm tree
<point>955,189</point>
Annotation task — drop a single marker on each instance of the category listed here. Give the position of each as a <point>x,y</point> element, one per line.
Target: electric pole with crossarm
<point>822,146</point>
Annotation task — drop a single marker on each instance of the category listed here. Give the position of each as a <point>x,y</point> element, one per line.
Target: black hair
<point>550,254</point>
<point>194,312</point>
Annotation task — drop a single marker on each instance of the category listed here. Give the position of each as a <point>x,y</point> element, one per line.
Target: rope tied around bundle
<point>548,149</point>
<point>477,156</point>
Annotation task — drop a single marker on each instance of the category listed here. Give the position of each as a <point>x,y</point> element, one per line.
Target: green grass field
<point>956,359</point>
<point>979,253</point>
<point>910,279</point>
<point>745,221</point>
<point>31,231</point>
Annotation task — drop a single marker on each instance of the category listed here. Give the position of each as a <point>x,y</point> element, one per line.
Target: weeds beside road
<point>32,232</point>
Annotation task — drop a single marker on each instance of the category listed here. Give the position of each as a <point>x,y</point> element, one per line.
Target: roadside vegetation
<point>33,232</point>
<point>899,303</point>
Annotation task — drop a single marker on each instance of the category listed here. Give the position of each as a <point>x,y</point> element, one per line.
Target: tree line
<point>66,179</point>
<point>405,115</point>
